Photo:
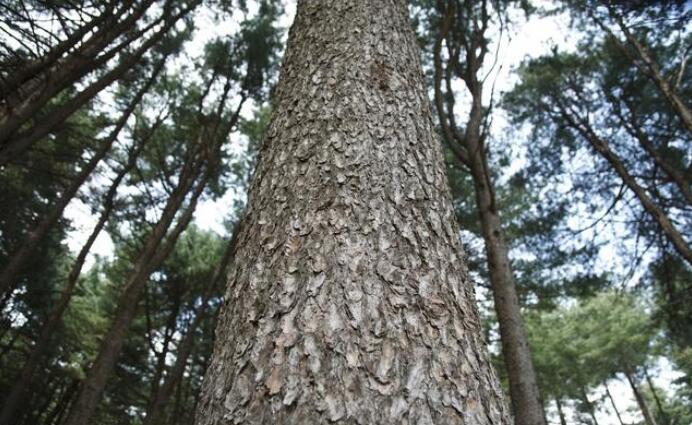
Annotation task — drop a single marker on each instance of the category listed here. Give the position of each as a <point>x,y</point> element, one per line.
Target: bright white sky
<point>527,39</point>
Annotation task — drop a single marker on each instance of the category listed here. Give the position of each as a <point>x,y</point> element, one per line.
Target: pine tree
<point>348,297</point>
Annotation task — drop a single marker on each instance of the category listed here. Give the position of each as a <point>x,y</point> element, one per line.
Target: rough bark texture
<point>348,298</point>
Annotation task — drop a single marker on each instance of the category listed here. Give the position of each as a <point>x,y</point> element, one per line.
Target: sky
<point>526,39</point>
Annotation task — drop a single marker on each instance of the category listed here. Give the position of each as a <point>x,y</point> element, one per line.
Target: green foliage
<point>586,344</point>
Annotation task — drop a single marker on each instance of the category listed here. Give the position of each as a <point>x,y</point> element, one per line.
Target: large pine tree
<point>348,297</point>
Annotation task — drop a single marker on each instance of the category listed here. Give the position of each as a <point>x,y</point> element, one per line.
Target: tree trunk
<point>471,152</point>
<point>151,256</point>
<point>349,299</point>
<point>17,393</point>
<point>590,407</point>
<point>560,413</point>
<point>641,401</point>
<point>602,147</point>
<point>654,393</point>
<point>160,398</point>
<point>523,386</point>
<point>612,402</point>
<point>23,254</point>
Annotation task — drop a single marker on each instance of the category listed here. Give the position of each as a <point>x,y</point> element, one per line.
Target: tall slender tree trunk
<point>161,396</point>
<point>612,403</point>
<point>470,150</point>
<point>349,299</point>
<point>151,256</point>
<point>641,401</point>
<point>19,258</point>
<point>526,402</point>
<point>589,406</point>
<point>654,393</point>
<point>560,412</point>
<point>15,396</point>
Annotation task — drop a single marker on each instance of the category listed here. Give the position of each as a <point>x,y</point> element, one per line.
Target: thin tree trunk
<point>19,258</point>
<point>64,75</point>
<point>590,407</point>
<point>171,327</point>
<point>523,386</point>
<point>17,392</point>
<point>612,402</point>
<point>156,409</point>
<point>349,299</point>
<point>470,150</point>
<point>560,413</point>
<point>641,401</point>
<point>151,256</point>
<point>654,393</point>
<point>648,66</point>
<point>654,211</point>
<point>61,406</point>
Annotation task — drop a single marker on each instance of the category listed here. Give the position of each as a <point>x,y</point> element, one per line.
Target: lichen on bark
<point>348,298</point>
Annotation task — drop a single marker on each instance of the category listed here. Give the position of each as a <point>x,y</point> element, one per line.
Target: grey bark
<point>471,152</point>
<point>349,299</point>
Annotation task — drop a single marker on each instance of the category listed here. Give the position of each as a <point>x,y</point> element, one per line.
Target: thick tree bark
<point>16,395</point>
<point>641,401</point>
<point>349,299</point>
<point>151,256</point>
